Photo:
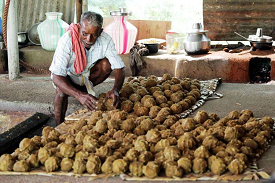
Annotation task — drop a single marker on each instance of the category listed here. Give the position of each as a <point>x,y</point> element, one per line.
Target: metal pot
<point>196,41</point>
<point>22,38</point>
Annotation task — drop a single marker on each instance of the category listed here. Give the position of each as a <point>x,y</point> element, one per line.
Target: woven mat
<point>208,92</point>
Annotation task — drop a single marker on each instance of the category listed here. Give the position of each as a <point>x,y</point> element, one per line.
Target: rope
<point>21,62</point>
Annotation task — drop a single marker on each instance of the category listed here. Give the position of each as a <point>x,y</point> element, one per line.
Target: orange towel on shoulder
<point>80,57</point>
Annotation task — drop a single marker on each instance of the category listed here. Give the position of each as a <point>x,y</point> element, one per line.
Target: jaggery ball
<point>161,145</point>
<point>188,124</point>
<point>201,152</point>
<point>176,108</point>
<point>201,116</point>
<point>231,133</point>
<point>234,115</point>
<point>81,155</point>
<point>119,166</point>
<point>89,144</point>
<point>218,167</point>
<point>126,90</point>
<point>135,97</point>
<point>186,141</point>
<point>6,162</point>
<point>151,170</point>
<point>153,136</point>
<point>172,153</point>
<point>43,155</point>
<point>93,164</point>
<point>161,99</point>
<point>141,145</point>
<point>132,155</point>
<point>79,166</point>
<point>176,87</point>
<point>149,102</point>
<point>67,151</point>
<point>199,165</point>
<point>103,152</point>
<point>166,77</point>
<point>26,144</point>
<point>145,156</point>
<point>167,93</point>
<point>142,91</point>
<point>154,111</point>
<point>176,97</point>
<point>237,166</point>
<point>147,124</point>
<point>185,164</point>
<point>21,166</point>
<point>141,111</point>
<point>46,130</point>
<point>210,142</point>
<point>128,124</point>
<point>127,106</point>
<point>79,137</point>
<point>66,164</point>
<point>33,160</point>
<point>107,165</point>
<point>51,164</point>
<point>248,112</point>
<point>173,171</point>
<point>136,168</point>
<point>101,126</point>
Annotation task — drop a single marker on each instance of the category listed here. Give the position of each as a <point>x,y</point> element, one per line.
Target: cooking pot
<point>196,41</point>
<point>259,41</point>
<point>22,38</point>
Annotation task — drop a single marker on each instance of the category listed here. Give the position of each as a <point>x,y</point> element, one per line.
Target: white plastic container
<point>122,32</point>
<point>172,42</point>
<point>51,30</point>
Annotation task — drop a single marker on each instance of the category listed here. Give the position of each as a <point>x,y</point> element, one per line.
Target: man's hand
<point>88,101</point>
<point>115,96</point>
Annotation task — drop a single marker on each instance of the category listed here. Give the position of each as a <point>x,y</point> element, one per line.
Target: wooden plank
<point>9,140</point>
<point>146,28</point>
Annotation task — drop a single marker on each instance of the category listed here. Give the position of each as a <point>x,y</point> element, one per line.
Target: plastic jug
<point>172,42</point>
<point>51,30</point>
<point>122,32</point>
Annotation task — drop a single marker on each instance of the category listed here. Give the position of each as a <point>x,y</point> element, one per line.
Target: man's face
<point>89,34</point>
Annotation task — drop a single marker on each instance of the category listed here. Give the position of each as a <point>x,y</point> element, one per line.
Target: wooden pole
<point>12,41</point>
<point>78,10</point>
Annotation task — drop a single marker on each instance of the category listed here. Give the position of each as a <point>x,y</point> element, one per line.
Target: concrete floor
<point>31,93</point>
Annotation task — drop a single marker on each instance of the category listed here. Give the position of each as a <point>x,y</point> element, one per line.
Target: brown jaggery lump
<point>154,110</point>
<point>248,112</point>
<point>201,116</point>
<point>21,166</point>
<point>210,142</point>
<point>234,115</point>
<point>82,155</point>
<point>132,155</point>
<point>237,166</point>
<point>217,149</point>
<point>153,135</point>
<point>185,164</point>
<point>67,151</point>
<point>101,126</point>
<point>136,168</point>
<point>127,106</point>
<point>173,171</point>
<point>66,164</point>
<point>119,166</point>
<point>166,77</point>
<point>53,135</point>
<point>128,124</point>
<point>268,120</point>
<point>151,170</point>
<point>43,155</point>
<point>37,141</point>
<point>79,137</point>
<point>251,143</point>
<point>199,165</point>
<point>33,160</point>
<point>79,166</point>
<point>26,144</point>
<point>23,155</point>
<point>93,164</point>
<point>188,124</point>
<point>217,166</point>
<point>172,153</point>
<point>70,140</point>
<point>108,164</point>
<point>6,162</point>
<point>241,156</point>
<point>161,145</point>
<point>186,141</point>
<point>103,152</point>
<point>145,156</point>
<point>46,130</point>
<point>201,152</point>
<point>89,144</point>
<point>231,133</point>
<point>232,150</point>
<point>147,124</point>
<point>51,164</point>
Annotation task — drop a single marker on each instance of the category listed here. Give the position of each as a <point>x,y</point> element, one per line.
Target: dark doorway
<point>259,70</point>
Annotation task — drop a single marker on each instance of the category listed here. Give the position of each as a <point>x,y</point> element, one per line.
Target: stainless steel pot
<point>196,41</point>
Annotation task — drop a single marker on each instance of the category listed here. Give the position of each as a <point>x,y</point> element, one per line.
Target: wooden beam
<point>78,10</point>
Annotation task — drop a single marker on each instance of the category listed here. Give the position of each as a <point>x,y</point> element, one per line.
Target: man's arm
<point>119,80</point>
<point>84,98</point>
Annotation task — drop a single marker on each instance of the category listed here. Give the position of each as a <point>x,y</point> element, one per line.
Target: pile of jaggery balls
<point>147,138</point>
